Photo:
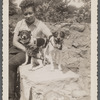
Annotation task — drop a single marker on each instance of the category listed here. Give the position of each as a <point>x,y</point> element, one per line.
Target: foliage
<point>12,8</point>
<point>56,10</point>
<point>51,11</point>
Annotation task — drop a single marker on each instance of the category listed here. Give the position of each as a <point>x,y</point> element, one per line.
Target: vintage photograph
<point>49,49</point>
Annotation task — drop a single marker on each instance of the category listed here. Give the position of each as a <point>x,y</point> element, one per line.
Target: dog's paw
<point>59,67</point>
<point>36,68</point>
<point>52,69</point>
<point>23,64</point>
<point>32,69</point>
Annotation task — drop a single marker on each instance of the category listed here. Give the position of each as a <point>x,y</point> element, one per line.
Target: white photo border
<point>5,49</point>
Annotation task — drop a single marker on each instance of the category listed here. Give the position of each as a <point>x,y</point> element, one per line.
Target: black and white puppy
<point>34,48</point>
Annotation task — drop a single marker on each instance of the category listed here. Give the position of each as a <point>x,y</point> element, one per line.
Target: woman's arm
<point>16,38</point>
<point>47,32</point>
<point>17,44</point>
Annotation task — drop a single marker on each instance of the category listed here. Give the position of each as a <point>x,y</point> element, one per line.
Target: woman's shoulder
<point>21,21</point>
<point>42,24</point>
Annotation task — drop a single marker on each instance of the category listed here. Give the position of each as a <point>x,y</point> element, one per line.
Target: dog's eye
<point>20,33</point>
<point>62,34</point>
<point>55,34</point>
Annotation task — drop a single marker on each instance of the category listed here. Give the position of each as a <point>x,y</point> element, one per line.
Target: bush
<point>12,8</point>
<point>51,11</point>
<point>12,11</point>
<point>56,11</point>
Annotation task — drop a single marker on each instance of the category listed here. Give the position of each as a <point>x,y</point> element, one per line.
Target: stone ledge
<point>40,82</point>
<point>45,74</point>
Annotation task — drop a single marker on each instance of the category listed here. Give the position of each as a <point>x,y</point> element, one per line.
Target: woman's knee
<point>16,61</point>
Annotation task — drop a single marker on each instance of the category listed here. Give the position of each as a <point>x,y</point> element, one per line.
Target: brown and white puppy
<point>56,44</point>
<point>33,48</point>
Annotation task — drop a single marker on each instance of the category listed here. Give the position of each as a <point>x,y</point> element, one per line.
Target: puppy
<point>41,44</point>
<point>56,44</point>
<point>33,48</point>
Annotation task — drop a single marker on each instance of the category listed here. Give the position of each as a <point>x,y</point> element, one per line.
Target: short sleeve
<point>46,30</point>
<point>16,30</point>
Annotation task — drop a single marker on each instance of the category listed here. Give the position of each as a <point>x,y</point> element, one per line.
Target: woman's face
<point>29,15</point>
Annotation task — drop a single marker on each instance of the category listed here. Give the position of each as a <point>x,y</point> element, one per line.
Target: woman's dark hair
<point>27,3</point>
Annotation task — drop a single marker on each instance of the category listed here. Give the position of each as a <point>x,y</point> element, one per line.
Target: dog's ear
<point>62,34</point>
<point>30,33</point>
<point>19,33</point>
<point>67,34</point>
<point>55,34</point>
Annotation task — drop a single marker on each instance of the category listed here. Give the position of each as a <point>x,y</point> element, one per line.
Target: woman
<point>17,53</point>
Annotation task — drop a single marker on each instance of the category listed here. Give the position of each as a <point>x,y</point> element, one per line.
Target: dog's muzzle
<point>58,43</point>
<point>59,46</point>
<point>24,37</point>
